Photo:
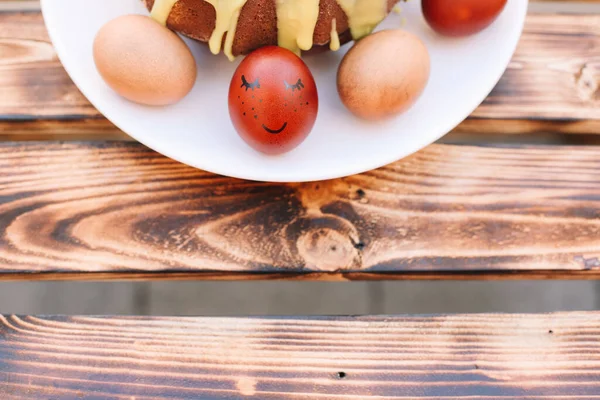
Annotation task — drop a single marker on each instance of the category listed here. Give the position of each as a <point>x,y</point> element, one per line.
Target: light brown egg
<point>144,61</point>
<point>384,74</point>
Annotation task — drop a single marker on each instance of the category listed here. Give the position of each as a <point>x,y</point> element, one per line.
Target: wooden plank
<point>426,357</point>
<point>118,210</point>
<point>552,84</point>
<point>555,74</point>
<point>34,84</point>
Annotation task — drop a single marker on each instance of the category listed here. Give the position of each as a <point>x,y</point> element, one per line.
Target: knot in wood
<point>587,80</point>
<point>328,249</point>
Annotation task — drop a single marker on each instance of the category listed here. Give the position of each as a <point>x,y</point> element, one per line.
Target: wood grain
<point>554,77</point>
<point>33,83</point>
<point>463,356</point>
<point>555,73</point>
<point>119,210</point>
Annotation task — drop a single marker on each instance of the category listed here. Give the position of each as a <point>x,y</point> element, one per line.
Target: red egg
<point>273,100</point>
<point>461,17</point>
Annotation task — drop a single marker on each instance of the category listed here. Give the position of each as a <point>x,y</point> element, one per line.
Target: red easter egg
<point>273,100</point>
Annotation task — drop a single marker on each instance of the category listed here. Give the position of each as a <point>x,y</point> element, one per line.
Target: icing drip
<point>161,10</point>
<point>334,44</point>
<point>363,15</point>
<point>296,22</point>
<point>228,13</point>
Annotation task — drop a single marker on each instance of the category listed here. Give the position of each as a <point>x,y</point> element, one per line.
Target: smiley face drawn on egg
<point>273,100</point>
<point>289,100</point>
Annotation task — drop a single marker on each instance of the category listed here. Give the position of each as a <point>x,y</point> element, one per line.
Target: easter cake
<point>238,27</point>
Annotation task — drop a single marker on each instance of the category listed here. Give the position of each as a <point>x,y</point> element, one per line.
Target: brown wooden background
<point>512,193</point>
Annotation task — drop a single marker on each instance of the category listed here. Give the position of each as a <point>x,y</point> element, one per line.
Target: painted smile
<point>275,132</point>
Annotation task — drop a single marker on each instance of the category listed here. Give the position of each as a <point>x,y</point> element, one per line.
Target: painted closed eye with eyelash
<point>298,86</point>
<point>250,85</point>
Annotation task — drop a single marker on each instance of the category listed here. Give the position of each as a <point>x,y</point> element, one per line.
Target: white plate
<point>198,131</point>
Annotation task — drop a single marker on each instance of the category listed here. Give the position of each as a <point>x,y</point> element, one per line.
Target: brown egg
<point>143,61</point>
<point>384,74</point>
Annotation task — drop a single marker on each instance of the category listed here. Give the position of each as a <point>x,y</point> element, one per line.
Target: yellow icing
<point>161,10</point>
<point>296,22</point>
<point>228,13</point>
<point>334,44</point>
<point>228,47</point>
<point>363,15</point>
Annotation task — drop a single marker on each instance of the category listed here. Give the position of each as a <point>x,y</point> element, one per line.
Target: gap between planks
<point>16,5</point>
<point>136,276</point>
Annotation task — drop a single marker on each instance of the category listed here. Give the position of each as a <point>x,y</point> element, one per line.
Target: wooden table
<point>512,193</point>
